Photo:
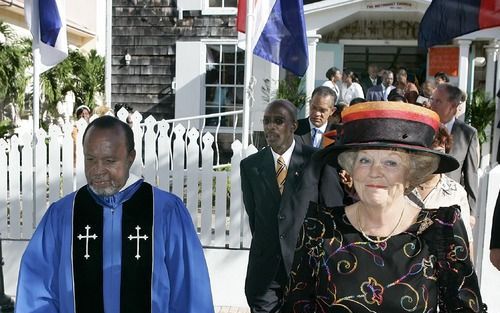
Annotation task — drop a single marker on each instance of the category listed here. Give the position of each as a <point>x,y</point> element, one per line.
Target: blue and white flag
<point>46,20</point>
<point>279,34</point>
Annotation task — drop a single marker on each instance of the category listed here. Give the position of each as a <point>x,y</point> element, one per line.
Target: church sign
<point>375,29</point>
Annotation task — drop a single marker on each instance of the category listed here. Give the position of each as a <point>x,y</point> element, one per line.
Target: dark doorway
<point>357,58</point>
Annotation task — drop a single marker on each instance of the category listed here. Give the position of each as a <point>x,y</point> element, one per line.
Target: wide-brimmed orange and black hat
<point>389,125</point>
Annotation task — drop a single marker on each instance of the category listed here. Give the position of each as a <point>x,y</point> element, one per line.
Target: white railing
<point>489,276</point>
<point>200,122</point>
<point>182,160</point>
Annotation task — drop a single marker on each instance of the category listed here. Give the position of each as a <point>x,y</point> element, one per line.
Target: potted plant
<point>480,112</point>
<point>289,89</point>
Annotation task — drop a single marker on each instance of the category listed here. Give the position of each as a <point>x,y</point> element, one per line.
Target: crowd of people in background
<point>381,85</point>
<point>83,111</point>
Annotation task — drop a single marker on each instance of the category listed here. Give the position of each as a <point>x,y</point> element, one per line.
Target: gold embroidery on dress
<point>424,225</point>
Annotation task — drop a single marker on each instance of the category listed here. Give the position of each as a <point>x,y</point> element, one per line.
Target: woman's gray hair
<point>422,165</point>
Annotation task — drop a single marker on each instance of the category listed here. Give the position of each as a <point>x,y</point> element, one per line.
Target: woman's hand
<point>345,178</point>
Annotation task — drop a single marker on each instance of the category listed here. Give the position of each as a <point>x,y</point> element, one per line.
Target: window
<point>224,81</point>
<point>209,7</point>
<point>222,3</point>
<point>220,7</point>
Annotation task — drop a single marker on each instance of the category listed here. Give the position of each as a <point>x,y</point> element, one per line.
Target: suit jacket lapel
<point>267,172</point>
<point>307,138</point>
<point>456,134</point>
<point>294,170</point>
<point>304,131</point>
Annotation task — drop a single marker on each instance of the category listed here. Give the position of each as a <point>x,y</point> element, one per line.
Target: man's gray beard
<point>106,192</point>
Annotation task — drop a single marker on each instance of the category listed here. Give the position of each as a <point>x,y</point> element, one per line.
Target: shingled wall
<point>148,30</point>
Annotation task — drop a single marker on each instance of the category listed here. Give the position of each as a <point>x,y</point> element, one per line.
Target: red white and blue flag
<point>447,19</point>
<point>46,20</point>
<point>279,32</point>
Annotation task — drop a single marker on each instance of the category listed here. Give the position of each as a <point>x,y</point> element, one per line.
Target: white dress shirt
<point>317,133</point>
<point>449,125</point>
<point>351,92</point>
<point>287,156</point>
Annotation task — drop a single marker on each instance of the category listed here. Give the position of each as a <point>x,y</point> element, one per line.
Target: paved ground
<point>231,309</point>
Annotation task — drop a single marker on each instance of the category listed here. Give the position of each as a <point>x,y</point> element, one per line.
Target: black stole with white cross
<point>137,252</point>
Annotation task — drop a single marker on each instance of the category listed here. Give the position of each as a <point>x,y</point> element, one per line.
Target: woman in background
<point>438,190</point>
<point>82,111</point>
<point>334,76</point>
<point>351,88</point>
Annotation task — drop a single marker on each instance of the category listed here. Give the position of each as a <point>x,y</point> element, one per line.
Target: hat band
<point>394,114</point>
<point>389,130</point>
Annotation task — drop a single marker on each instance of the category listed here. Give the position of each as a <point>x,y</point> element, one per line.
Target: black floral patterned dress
<point>337,270</point>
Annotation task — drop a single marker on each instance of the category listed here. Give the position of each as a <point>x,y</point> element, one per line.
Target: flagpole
<point>248,73</point>
<point>36,91</point>
<point>36,117</point>
<point>108,60</point>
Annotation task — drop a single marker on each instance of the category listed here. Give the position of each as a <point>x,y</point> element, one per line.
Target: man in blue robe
<point>117,244</point>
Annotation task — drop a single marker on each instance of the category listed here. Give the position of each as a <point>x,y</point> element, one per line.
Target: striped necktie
<point>281,172</point>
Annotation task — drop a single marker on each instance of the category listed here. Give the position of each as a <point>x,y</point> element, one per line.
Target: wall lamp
<point>127,58</point>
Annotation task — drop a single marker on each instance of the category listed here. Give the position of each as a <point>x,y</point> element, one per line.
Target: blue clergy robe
<point>179,281</point>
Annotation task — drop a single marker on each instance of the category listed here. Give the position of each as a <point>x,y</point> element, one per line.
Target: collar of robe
<point>118,198</point>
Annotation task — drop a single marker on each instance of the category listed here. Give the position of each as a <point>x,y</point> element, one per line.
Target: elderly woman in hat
<point>383,253</point>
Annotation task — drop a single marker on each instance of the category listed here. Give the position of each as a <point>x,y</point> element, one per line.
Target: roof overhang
<point>325,16</point>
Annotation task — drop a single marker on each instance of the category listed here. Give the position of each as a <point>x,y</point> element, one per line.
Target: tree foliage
<point>90,78</point>
<point>14,62</point>
<point>80,73</point>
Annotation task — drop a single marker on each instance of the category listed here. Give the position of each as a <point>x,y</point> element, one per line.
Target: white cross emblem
<point>87,237</point>
<point>130,237</point>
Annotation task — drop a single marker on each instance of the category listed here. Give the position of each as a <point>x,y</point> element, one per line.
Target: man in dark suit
<point>370,78</point>
<point>465,148</point>
<point>381,91</point>
<point>278,182</point>
<point>495,236</point>
<point>310,130</point>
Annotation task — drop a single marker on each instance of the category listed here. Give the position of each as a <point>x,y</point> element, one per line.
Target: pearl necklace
<point>377,241</point>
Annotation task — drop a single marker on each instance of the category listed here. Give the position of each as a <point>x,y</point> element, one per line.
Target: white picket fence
<point>169,155</point>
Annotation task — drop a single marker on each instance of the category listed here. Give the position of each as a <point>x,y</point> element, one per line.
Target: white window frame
<point>207,10</point>
<point>189,70</point>
<point>205,43</point>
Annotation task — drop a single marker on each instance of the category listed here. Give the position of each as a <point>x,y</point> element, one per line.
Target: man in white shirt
<point>371,78</point>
